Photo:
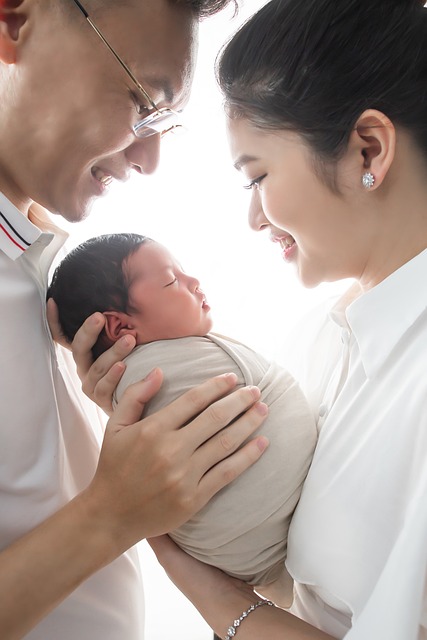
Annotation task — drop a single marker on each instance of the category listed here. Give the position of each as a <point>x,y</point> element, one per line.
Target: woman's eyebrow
<point>242,160</point>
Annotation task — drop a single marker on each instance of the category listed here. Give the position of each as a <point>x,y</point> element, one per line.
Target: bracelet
<point>231,631</point>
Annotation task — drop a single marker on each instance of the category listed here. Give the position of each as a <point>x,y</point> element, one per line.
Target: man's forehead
<point>158,40</point>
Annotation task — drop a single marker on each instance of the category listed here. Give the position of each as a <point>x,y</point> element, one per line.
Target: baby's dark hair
<point>313,66</point>
<point>92,278</point>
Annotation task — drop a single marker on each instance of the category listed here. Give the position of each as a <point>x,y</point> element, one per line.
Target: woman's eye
<point>171,283</point>
<point>256,182</point>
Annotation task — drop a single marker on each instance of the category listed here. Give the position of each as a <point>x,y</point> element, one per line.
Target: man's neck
<point>12,194</point>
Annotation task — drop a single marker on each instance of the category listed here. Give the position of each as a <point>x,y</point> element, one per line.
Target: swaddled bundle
<point>243,529</point>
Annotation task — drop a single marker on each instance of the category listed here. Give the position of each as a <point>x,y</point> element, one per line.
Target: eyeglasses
<point>162,120</point>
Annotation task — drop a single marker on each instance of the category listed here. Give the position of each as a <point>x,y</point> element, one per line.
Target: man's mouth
<point>104,178</point>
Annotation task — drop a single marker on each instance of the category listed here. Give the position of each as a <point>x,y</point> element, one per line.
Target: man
<point>86,92</point>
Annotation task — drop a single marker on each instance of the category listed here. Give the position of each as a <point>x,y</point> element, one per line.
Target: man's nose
<point>144,154</point>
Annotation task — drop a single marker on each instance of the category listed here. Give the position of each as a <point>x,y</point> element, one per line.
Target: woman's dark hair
<point>313,66</point>
<point>92,278</point>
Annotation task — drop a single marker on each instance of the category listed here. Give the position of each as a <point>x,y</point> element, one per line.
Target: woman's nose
<point>256,217</point>
<point>144,154</point>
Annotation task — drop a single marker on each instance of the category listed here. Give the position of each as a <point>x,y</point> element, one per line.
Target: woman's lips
<point>288,246</point>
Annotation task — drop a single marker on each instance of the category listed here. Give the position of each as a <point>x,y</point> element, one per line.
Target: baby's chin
<point>208,328</point>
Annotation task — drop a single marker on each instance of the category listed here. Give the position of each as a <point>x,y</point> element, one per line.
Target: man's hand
<point>155,473</point>
<point>100,377</point>
<point>54,324</point>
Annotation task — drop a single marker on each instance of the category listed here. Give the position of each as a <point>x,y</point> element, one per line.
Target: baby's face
<point>164,302</point>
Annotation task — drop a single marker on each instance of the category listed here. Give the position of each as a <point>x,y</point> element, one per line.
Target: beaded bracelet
<point>231,631</point>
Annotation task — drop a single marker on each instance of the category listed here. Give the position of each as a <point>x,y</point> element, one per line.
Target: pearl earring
<point>368,180</point>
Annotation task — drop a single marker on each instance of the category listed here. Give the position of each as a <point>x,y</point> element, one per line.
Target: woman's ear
<point>12,19</point>
<point>374,138</point>
<point>117,325</point>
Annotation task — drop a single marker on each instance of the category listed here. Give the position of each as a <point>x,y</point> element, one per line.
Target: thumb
<point>131,405</point>
<point>54,324</point>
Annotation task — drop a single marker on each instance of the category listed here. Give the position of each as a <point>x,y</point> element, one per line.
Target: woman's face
<point>322,233</point>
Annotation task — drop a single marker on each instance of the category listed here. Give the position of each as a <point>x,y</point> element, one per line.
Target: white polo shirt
<point>48,446</point>
<point>358,540</point>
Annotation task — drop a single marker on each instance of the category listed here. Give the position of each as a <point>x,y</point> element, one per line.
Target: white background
<point>195,205</point>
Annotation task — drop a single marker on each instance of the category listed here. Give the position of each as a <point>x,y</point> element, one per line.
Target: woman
<point>326,106</point>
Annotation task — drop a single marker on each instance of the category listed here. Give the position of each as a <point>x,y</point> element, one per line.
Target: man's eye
<point>256,182</point>
<point>141,109</point>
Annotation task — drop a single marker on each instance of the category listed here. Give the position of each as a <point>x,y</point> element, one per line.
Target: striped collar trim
<point>17,233</point>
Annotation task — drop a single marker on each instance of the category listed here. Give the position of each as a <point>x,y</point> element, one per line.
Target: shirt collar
<point>380,317</point>
<point>19,232</point>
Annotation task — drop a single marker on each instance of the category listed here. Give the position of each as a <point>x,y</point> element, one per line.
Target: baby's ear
<point>117,325</point>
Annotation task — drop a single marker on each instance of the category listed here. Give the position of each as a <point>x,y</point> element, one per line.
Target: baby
<point>143,291</point>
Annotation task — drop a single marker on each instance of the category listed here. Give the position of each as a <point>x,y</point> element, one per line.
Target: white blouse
<point>358,540</point>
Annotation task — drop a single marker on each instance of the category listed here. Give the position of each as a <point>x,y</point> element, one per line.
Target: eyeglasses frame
<point>159,112</point>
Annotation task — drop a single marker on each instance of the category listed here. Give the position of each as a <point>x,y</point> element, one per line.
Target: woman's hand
<point>200,582</point>
<point>221,599</point>
<point>100,377</point>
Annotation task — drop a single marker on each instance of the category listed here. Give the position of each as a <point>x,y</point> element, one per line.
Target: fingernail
<point>261,408</point>
<point>230,377</point>
<point>255,392</point>
<point>151,374</point>
<point>127,341</point>
<point>262,443</point>
<point>119,367</point>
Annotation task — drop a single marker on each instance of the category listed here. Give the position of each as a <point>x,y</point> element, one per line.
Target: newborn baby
<point>142,290</point>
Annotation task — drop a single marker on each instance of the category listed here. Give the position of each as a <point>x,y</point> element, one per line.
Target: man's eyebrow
<point>242,160</point>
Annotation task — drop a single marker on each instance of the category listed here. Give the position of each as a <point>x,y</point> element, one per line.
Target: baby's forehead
<point>151,258</point>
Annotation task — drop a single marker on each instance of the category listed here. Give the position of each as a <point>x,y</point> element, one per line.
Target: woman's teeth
<point>287,242</point>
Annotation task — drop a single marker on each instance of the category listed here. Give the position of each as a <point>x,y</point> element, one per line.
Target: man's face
<point>164,301</point>
<point>68,123</point>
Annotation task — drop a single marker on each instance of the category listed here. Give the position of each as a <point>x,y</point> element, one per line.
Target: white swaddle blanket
<point>243,529</point>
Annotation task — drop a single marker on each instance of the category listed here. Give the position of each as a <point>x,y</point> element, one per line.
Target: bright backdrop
<point>196,206</point>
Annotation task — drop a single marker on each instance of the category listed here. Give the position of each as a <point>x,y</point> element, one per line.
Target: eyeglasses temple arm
<point>119,60</point>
